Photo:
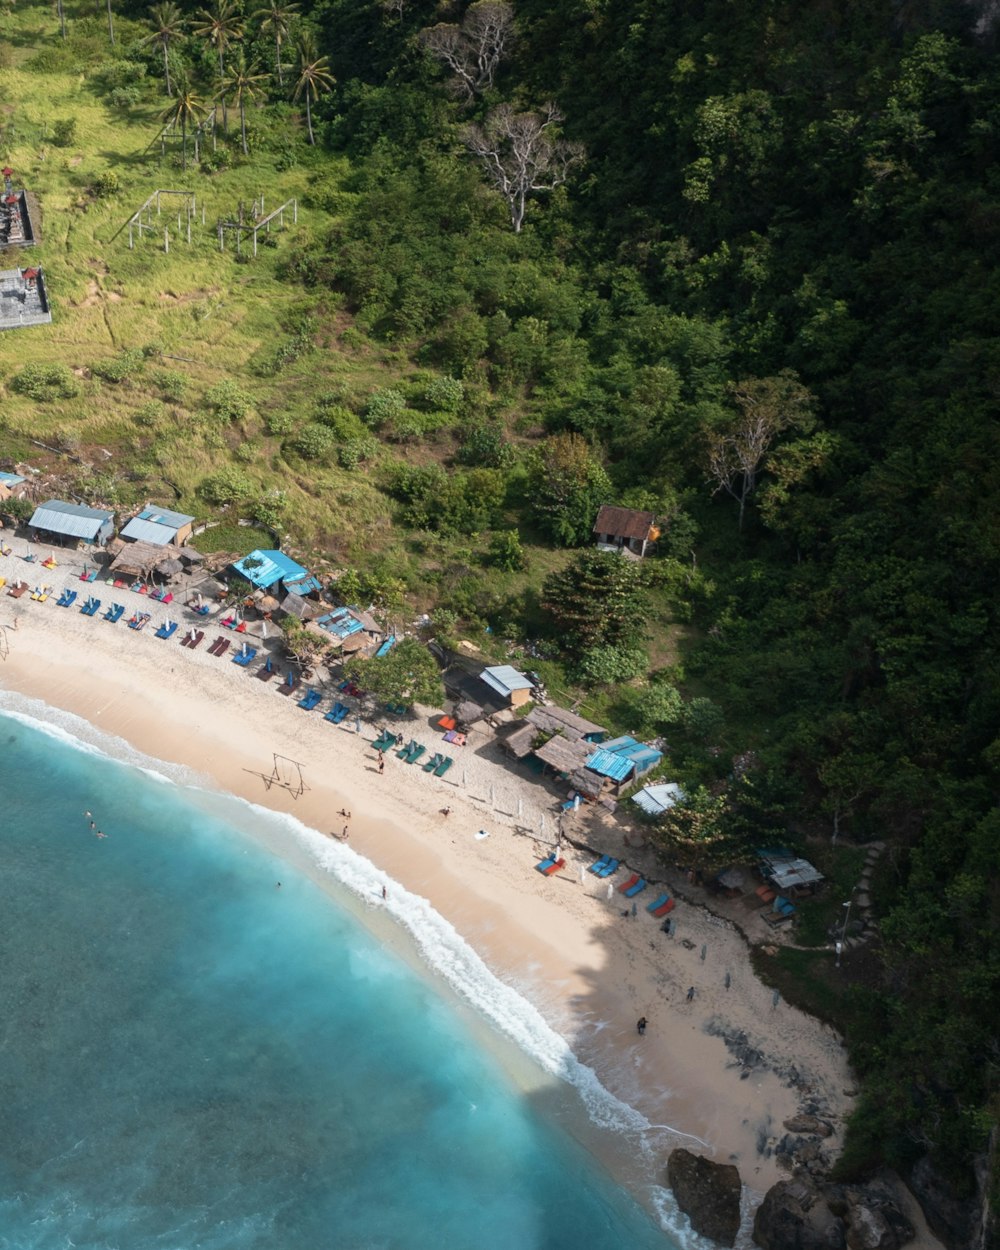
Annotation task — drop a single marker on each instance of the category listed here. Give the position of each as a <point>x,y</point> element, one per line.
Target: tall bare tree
<point>521,154</point>
<point>473,49</point>
<point>737,451</point>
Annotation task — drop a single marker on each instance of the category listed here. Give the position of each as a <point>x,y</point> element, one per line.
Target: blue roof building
<point>271,567</point>
<point>623,759</point>
<point>159,527</point>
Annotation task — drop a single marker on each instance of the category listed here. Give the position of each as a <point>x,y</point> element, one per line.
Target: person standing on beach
<point>641,1026</point>
<point>381,764</point>
<point>690,994</point>
<point>385,893</point>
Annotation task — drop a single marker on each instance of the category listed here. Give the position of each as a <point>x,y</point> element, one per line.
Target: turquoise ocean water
<point>194,1059</point>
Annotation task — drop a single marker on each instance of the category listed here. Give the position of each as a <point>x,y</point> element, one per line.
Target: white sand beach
<point>560,941</point>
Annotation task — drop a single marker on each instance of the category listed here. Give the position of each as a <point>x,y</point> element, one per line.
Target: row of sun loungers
<point>606,866</point>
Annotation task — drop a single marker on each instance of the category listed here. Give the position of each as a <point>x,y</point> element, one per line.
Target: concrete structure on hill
<point>58,520</point>
<point>23,301</point>
<point>16,226</point>
<point>625,530</point>
<point>12,486</point>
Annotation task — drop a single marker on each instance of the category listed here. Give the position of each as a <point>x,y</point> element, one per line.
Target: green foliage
<point>506,552</point>
<point>127,365</point>
<point>408,674</point>
<point>107,184</point>
<point>485,445</point>
<point>443,394</point>
<point>228,486</point>
<point>384,406</point>
<point>45,382</point>
<point>597,601</point>
<point>609,666</point>
<point>315,442</point>
<point>229,401</point>
<point>170,384</point>
<point>64,132</point>
<point>567,488</point>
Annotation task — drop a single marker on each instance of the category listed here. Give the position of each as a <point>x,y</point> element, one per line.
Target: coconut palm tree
<point>277,18</point>
<point>168,28</point>
<point>111,22</point>
<point>244,82</point>
<point>188,108</point>
<point>314,77</point>
<point>221,26</point>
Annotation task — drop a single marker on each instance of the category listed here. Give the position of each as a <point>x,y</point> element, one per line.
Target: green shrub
<point>229,486</point>
<point>43,382</point>
<point>56,59</point>
<point>444,394</point>
<point>107,184</point>
<point>170,384</point>
<point>486,446</point>
<point>506,552</point>
<point>384,405</point>
<point>228,401</point>
<point>315,441</point>
<point>352,453</point>
<point>124,97</point>
<point>607,666</point>
<point>279,423</point>
<point>120,368</point>
<point>269,509</point>
<point>149,414</point>
<point>214,162</point>
<point>249,451</point>
<point>64,132</point>
<point>120,73</point>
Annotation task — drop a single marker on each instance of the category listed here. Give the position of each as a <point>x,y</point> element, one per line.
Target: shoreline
<point>559,942</point>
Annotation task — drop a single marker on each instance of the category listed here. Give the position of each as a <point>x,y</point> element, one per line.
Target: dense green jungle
<point>734,264</point>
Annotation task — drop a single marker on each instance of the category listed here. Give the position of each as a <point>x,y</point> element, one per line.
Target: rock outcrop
<point>803,1215</point>
<point>708,1193</point>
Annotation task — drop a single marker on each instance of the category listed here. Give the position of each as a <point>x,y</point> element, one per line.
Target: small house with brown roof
<point>626,530</point>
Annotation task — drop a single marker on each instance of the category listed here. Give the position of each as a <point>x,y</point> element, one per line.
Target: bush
<point>149,414</point>
<point>607,666</point>
<point>107,184</point>
<point>64,132</point>
<point>170,384</point>
<point>269,509</point>
<point>356,450</point>
<point>124,97</point>
<point>228,486</point>
<point>506,552</point>
<point>486,446</point>
<point>214,162</point>
<point>247,452</point>
<point>120,368</point>
<point>444,394</point>
<point>315,442</point>
<point>45,382</point>
<point>120,73</point>
<point>344,423</point>
<point>279,423</point>
<point>383,406</point>
<point>229,401</point>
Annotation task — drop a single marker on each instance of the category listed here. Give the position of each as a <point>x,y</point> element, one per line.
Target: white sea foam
<point>439,944</point>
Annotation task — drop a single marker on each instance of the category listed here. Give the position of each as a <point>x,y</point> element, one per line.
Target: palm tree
<point>314,77</point>
<point>111,22</point>
<point>168,26</point>
<point>221,26</point>
<point>277,18</point>
<point>188,107</point>
<point>244,82</point>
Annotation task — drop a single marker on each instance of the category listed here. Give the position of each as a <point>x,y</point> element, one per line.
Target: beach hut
<point>11,486</point>
<point>159,527</point>
<point>513,687</point>
<point>267,569</point>
<point>657,799</point>
<point>65,522</point>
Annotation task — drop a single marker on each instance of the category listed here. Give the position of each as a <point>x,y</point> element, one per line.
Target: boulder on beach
<point>708,1193</point>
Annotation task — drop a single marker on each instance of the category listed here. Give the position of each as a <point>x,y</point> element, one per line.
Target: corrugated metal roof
<point>274,565</point>
<point>343,623</point>
<point>645,758</point>
<point>72,519</point>
<point>149,532</point>
<point>11,479</point>
<point>658,799</point>
<point>302,585</point>
<point>620,744</point>
<point>161,516</point>
<point>504,678</point>
<point>624,522</point>
<point>610,764</point>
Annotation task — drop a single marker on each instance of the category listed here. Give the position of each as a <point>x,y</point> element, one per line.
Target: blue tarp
<point>610,764</point>
<point>343,623</point>
<point>386,646</point>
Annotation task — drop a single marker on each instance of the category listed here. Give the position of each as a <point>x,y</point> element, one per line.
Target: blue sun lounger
<point>547,862</point>
<point>660,902</point>
<point>65,600</point>
<point>168,630</point>
<point>638,888</point>
<point>609,869</point>
<point>91,606</point>
<point>443,767</point>
<point>433,762</point>
<point>601,864</point>
<point>416,753</point>
<point>309,701</point>
<point>115,612</point>
<point>243,658</point>
<point>337,713</point>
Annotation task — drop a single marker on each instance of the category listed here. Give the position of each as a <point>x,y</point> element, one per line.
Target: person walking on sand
<point>690,994</point>
<point>641,1026</point>
<point>344,834</point>
<point>381,765</point>
<point>385,893</point>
